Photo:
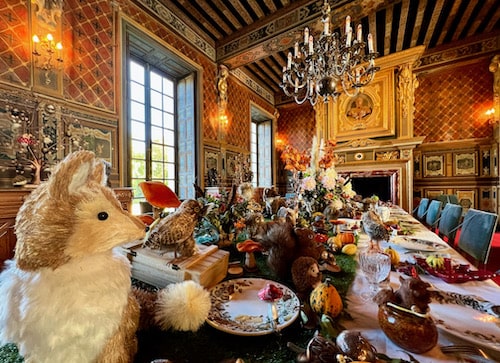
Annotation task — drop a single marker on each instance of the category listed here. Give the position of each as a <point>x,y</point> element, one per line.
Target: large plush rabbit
<point>66,296</point>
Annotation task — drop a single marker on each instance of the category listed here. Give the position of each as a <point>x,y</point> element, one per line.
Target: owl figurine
<point>176,230</point>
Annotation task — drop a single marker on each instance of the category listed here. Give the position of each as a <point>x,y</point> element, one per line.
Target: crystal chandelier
<point>329,65</point>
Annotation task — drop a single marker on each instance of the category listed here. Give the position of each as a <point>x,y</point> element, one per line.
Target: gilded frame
<point>433,165</point>
<point>93,137</point>
<point>465,164</point>
<point>371,113</point>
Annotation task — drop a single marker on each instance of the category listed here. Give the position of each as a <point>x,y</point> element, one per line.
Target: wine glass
<point>376,266</point>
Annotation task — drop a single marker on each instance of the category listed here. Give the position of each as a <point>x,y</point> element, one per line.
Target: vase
<point>416,333</point>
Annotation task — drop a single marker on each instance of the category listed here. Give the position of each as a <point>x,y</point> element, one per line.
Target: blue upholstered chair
<point>421,209</point>
<point>433,213</point>
<point>476,235</point>
<point>448,222</point>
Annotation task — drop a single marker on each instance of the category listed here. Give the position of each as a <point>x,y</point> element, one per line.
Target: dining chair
<point>448,222</point>
<point>421,209</point>
<point>476,235</point>
<point>433,213</point>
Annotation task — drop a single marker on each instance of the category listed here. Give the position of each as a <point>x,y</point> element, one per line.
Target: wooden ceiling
<point>256,35</point>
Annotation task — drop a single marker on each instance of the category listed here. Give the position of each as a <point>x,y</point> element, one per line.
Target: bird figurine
<point>177,229</point>
<point>374,227</point>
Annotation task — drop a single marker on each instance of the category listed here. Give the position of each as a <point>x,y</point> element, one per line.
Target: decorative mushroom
<point>249,247</point>
<point>159,196</point>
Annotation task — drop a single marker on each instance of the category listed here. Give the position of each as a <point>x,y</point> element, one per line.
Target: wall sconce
<point>491,116</point>
<point>48,49</point>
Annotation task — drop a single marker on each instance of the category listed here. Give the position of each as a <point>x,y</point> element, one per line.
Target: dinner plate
<point>237,309</point>
<point>468,324</point>
<point>419,244</point>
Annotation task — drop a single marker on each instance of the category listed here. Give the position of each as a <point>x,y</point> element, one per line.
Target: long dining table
<point>457,324</point>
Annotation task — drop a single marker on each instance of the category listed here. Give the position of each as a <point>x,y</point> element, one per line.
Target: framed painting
<point>370,113</point>
<point>434,193</point>
<point>231,164</point>
<point>465,164</point>
<point>433,165</point>
<point>466,198</point>
<point>97,138</point>
<point>212,167</point>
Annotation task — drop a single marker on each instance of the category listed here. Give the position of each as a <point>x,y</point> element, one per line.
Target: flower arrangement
<point>316,180</point>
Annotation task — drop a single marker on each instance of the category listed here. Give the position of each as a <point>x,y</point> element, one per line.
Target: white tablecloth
<point>364,313</point>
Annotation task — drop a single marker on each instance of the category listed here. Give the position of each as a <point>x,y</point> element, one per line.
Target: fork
<point>464,349</point>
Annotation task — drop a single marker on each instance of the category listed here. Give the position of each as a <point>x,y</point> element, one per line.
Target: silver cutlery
<point>474,352</point>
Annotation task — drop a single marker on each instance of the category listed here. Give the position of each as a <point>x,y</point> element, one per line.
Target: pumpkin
<point>344,238</point>
<point>325,299</point>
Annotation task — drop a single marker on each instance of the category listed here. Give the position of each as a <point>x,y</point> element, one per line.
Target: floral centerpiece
<point>318,186</point>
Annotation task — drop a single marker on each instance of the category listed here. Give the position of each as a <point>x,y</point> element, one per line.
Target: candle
<point>296,50</point>
<point>311,44</point>
<point>289,64</point>
<point>36,40</point>
<point>347,23</point>
<point>306,35</point>
<point>349,37</point>
<point>370,43</point>
<point>360,33</point>
<point>284,75</point>
<point>296,85</point>
<point>59,50</point>
<point>326,28</point>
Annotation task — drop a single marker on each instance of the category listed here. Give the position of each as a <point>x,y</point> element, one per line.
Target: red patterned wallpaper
<point>296,126</point>
<point>15,56</point>
<point>450,103</point>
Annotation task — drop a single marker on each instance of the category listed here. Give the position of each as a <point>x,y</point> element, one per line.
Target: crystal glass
<point>376,266</point>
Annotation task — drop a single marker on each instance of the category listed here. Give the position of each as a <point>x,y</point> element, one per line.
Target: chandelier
<point>329,65</point>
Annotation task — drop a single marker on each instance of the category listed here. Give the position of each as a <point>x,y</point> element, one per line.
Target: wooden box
<point>207,267</point>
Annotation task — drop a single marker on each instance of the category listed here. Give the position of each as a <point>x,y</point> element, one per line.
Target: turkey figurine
<point>176,230</point>
<point>374,227</point>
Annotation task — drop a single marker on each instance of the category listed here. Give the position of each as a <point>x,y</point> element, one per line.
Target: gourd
<point>349,249</point>
<point>393,254</point>
<point>344,238</point>
<point>325,299</point>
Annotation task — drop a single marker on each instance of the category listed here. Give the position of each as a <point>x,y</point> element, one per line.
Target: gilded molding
<point>180,27</point>
<point>254,86</point>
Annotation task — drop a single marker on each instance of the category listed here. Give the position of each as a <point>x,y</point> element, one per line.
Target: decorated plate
<point>418,244</point>
<point>237,309</point>
<point>473,325</point>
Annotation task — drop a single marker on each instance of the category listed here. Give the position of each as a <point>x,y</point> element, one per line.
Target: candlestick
<point>289,64</point>
<point>311,44</point>
<point>296,49</point>
<point>347,23</point>
<point>349,37</point>
<point>326,28</point>
<point>360,33</point>
<point>306,35</point>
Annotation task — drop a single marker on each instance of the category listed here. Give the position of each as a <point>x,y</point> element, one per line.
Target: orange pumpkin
<point>344,238</point>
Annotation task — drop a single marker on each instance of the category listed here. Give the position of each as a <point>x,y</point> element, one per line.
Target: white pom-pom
<point>182,306</point>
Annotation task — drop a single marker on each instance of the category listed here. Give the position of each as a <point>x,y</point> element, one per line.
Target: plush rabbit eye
<point>102,216</point>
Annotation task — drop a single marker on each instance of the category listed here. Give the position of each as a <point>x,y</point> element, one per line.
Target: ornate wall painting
<point>466,198</point>
<point>371,113</point>
<point>212,168</point>
<point>433,165</point>
<point>464,164</point>
<point>97,138</point>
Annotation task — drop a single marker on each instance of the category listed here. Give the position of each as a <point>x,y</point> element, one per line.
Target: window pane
<point>168,121</point>
<point>170,168</point>
<point>168,86</point>
<point>156,81</point>
<point>169,154</point>
<point>136,72</point>
<point>169,137</point>
<point>156,134</point>
<point>137,92</point>
<point>168,104</point>
<point>137,130</point>
<point>156,99</point>
<point>156,152</point>
<point>138,149</point>
<point>137,111</point>
<point>157,170</point>
<point>139,168</point>
<point>156,117</point>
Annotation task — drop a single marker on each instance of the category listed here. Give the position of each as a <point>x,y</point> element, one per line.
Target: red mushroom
<point>249,247</point>
<point>159,196</point>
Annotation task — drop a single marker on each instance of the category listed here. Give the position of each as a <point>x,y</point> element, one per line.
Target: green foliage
<point>10,354</point>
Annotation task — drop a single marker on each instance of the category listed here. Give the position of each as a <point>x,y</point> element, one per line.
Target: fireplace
<point>383,183</point>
